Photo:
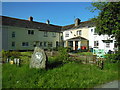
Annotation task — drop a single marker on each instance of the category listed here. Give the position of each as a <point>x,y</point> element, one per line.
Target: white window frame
<point>13,34</point>
<point>66,34</point>
<point>25,44</point>
<point>13,44</point>
<point>79,32</point>
<point>30,32</point>
<point>107,45</point>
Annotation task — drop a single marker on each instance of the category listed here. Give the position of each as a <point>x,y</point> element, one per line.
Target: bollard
<point>15,60</point>
<point>7,60</point>
<point>18,62</point>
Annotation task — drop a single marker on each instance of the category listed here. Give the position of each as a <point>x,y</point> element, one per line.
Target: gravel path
<point>113,84</point>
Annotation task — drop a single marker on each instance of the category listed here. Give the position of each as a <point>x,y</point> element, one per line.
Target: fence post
<point>86,58</point>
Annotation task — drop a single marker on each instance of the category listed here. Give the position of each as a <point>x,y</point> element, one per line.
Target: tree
<point>108,20</point>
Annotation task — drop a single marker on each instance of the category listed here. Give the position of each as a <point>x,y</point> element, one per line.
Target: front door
<point>76,45</point>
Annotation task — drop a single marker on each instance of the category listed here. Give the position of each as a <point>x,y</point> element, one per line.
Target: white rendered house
<point>103,42</point>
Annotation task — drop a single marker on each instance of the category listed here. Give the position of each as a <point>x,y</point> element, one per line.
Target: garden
<point>60,73</point>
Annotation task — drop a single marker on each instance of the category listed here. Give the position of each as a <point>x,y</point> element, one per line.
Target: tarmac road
<point>113,84</point>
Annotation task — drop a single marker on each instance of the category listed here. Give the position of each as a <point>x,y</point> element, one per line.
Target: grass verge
<point>69,75</point>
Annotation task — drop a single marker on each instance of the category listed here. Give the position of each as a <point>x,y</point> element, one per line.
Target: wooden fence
<point>92,59</point>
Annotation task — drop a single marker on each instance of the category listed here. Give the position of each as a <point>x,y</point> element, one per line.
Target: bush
<point>113,58</point>
<point>63,54</point>
<point>10,54</point>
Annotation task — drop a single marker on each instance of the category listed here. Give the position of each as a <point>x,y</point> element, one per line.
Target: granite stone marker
<point>38,59</point>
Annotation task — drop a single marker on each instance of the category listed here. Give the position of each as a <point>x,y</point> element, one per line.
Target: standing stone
<point>38,59</point>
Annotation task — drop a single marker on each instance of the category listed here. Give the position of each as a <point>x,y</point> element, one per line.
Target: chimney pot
<point>47,22</point>
<point>30,18</point>
<point>77,21</point>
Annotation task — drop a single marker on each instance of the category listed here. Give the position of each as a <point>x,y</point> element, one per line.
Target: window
<point>107,45</point>
<point>96,43</point>
<point>30,32</point>
<point>13,44</point>
<point>115,44</point>
<point>54,34</point>
<point>40,44</point>
<point>79,32</point>
<point>57,43</point>
<point>91,30</point>
<point>49,44</point>
<point>45,34</point>
<point>66,34</point>
<point>45,44</point>
<point>13,34</point>
<point>25,44</point>
<point>95,32</point>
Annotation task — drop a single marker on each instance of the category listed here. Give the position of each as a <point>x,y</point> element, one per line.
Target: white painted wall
<point>21,35</point>
<point>99,38</point>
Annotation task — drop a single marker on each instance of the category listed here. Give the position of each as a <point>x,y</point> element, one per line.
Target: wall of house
<point>95,37</point>
<point>21,35</point>
<point>73,33</point>
<point>0,38</point>
<point>4,38</point>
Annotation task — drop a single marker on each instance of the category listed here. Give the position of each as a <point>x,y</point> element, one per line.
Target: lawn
<point>68,75</point>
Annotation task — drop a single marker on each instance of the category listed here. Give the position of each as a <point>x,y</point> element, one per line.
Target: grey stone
<point>38,59</point>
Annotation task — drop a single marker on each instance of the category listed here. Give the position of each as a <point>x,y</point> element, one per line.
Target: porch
<point>77,43</point>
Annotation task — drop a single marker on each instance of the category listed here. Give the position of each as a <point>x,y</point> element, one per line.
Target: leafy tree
<point>108,20</point>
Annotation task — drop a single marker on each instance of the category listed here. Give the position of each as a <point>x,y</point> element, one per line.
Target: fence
<point>92,59</point>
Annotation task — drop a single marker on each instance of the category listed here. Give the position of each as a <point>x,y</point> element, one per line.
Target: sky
<point>59,13</point>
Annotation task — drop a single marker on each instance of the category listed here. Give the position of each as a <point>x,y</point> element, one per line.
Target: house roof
<point>76,38</point>
<point>82,24</point>
<point>9,21</point>
<point>29,24</point>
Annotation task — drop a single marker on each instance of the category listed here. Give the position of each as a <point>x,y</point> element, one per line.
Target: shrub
<point>63,54</point>
<point>10,54</point>
<point>113,58</point>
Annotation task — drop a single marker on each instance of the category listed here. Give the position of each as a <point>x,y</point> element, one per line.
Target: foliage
<point>63,54</point>
<point>70,75</point>
<point>10,54</point>
<point>113,58</point>
<point>108,20</point>
<point>25,57</point>
<point>85,53</point>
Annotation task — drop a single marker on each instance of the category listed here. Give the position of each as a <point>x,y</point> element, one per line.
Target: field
<point>58,75</point>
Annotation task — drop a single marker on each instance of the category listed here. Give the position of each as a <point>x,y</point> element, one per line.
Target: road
<point>113,84</point>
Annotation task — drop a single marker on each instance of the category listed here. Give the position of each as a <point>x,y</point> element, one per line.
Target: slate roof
<point>29,24</point>
<point>78,37</point>
<point>8,21</point>
<point>82,24</point>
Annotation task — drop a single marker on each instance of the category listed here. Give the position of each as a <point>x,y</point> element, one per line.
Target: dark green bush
<point>112,58</point>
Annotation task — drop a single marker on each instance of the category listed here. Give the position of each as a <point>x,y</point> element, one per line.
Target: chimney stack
<point>47,22</point>
<point>30,18</point>
<point>77,21</point>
